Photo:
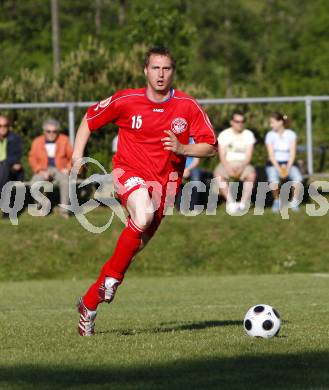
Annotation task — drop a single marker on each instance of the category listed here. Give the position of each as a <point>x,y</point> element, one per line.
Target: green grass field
<point>176,322</point>
<point>166,333</point>
<point>54,248</point>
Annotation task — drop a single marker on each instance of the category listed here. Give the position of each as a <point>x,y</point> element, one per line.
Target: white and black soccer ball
<point>262,321</point>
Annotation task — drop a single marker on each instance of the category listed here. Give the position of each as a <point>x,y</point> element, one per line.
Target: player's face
<point>51,133</point>
<point>4,126</point>
<point>238,123</point>
<point>159,73</point>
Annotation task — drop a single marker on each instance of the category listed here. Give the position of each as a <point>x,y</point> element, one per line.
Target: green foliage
<point>168,26</point>
<point>25,36</point>
<point>92,72</point>
<point>223,48</point>
<point>232,47</point>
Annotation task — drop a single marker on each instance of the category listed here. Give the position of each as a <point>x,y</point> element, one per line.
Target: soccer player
<point>155,123</point>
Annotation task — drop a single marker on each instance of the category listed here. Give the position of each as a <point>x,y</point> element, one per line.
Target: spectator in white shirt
<point>235,148</point>
<point>281,148</point>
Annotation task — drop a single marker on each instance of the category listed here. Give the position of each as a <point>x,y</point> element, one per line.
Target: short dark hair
<point>162,51</point>
<point>237,112</point>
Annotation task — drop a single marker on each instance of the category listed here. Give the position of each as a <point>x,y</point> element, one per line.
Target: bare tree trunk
<point>55,35</point>
<point>228,50</point>
<point>122,12</point>
<point>98,22</point>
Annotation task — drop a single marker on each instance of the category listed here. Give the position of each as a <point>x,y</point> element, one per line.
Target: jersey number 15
<point>136,122</point>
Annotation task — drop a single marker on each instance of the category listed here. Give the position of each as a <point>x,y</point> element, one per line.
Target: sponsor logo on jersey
<point>158,109</point>
<point>178,125</point>
<point>104,103</point>
<point>133,182</point>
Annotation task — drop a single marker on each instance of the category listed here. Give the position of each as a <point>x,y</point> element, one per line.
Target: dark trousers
<point>4,174</point>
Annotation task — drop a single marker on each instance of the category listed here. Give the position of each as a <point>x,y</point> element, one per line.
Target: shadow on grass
<point>174,327</point>
<point>276,371</point>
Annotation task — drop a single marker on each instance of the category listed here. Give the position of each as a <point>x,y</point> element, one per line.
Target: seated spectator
<point>281,148</point>
<point>235,147</point>
<point>11,150</point>
<point>50,159</point>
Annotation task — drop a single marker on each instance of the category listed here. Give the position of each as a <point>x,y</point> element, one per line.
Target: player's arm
<point>81,140</point>
<point>195,150</point>
<point>201,149</point>
<point>97,116</point>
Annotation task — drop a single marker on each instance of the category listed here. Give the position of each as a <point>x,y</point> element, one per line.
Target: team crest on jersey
<point>178,125</point>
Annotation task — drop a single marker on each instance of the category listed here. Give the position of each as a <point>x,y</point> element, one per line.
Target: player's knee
<point>143,220</point>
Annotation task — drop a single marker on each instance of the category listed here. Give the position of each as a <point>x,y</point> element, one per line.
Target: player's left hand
<point>171,143</point>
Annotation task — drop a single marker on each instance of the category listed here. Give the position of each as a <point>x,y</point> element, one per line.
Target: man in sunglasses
<point>50,159</point>
<point>11,150</point>
<point>235,149</point>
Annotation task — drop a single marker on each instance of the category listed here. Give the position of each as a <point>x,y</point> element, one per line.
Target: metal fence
<point>308,100</point>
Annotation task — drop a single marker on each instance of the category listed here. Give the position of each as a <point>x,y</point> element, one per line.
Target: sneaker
<point>276,206</point>
<point>232,208</point>
<point>107,290</point>
<point>87,319</point>
<point>242,206</point>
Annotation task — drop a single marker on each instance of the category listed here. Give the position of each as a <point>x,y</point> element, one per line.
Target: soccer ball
<point>262,321</point>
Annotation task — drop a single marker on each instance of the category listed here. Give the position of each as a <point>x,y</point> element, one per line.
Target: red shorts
<point>126,182</point>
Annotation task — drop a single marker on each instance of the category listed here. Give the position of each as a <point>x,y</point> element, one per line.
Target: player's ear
<point>145,71</point>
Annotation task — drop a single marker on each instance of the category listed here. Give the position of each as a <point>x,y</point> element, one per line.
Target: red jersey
<point>141,126</point>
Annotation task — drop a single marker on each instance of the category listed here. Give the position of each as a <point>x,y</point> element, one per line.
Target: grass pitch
<point>166,333</point>
<point>54,248</point>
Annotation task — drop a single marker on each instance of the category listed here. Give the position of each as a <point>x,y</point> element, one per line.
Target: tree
<point>55,35</point>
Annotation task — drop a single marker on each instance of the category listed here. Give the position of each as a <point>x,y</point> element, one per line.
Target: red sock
<point>126,248</point>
